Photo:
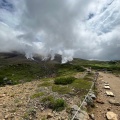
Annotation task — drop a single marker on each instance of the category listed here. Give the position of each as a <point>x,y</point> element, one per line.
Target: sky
<point>87,29</point>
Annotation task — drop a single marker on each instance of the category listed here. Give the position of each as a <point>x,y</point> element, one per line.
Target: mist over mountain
<point>83,29</point>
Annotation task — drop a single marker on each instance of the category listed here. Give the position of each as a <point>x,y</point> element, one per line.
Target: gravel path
<point>114,83</point>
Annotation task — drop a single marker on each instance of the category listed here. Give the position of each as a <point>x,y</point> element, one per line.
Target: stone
<point>5,78</point>
<point>74,108</point>
<point>3,95</point>
<point>114,102</point>
<point>111,116</point>
<point>89,100</point>
<point>42,108</point>
<point>106,84</point>
<point>107,87</point>
<point>92,116</point>
<point>49,115</point>
<point>109,93</point>
<point>92,96</point>
<point>99,101</point>
<point>81,115</point>
<point>62,118</point>
<point>9,116</point>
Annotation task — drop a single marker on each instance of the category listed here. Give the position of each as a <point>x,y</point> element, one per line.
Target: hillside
<point>40,90</point>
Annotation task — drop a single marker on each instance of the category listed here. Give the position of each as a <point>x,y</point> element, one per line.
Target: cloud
<point>86,29</point>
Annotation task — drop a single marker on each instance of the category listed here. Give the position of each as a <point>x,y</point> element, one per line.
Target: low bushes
<point>64,80</point>
<point>54,104</point>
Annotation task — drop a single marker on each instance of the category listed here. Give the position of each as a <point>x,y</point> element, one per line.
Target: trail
<point>114,83</point>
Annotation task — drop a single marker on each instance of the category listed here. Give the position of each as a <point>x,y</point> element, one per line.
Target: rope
<point>85,98</point>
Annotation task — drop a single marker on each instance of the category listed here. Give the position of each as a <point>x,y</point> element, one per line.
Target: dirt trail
<point>114,83</point>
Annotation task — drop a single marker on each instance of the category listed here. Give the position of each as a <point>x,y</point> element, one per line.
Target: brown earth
<point>114,83</point>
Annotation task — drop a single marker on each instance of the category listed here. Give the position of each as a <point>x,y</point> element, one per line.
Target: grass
<point>61,89</point>
<point>30,113</point>
<point>80,84</point>
<point>45,84</point>
<point>36,95</point>
<point>25,72</point>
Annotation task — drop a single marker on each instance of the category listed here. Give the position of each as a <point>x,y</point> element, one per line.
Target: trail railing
<point>92,87</point>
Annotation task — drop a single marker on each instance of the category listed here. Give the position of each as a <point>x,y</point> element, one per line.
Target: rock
<point>111,116</point>
<point>92,95</point>
<point>62,118</point>
<point>74,108</point>
<point>114,102</point>
<point>92,116</point>
<point>109,93</point>
<point>89,100</point>
<point>99,101</point>
<point>3,95</point>
<point>81,115</point>
<point>49,115</point>
<point>9,116</point>
<point>107,87</point>
<point>42,108</point>
<point>5,78</point>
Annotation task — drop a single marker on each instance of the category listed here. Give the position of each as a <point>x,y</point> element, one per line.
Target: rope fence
<point>93,85</point>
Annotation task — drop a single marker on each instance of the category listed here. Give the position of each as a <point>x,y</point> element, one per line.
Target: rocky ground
<point>108,105</point>
<point>17,103</point>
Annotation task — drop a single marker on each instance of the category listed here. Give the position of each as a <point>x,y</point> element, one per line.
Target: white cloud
<point>86,29</point>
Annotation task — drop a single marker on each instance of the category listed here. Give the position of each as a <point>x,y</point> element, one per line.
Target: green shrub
<point>78,68</point>
<point>5,81</point>
<point>59,105</point>
<point>54,104</point>
<point>64,80</point>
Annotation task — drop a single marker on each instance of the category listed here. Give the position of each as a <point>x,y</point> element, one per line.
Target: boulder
<point>111,116</point>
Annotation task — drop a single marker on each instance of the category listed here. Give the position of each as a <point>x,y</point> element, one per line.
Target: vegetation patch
<point>61,89</point>
<point>64,80</point>
<point>36,95</point>
<point>45,84</point>
<point>80,84</point>
<point>54,104</point>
